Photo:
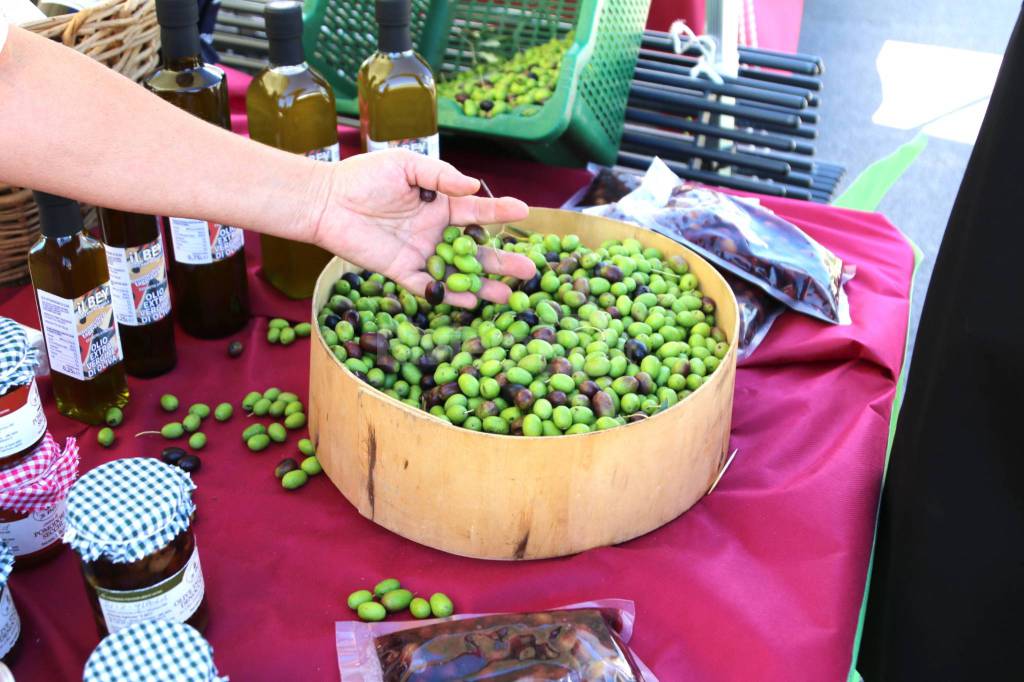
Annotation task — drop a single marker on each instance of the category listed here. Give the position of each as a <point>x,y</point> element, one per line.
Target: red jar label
<point>22,421</point>
<point>38,530</point>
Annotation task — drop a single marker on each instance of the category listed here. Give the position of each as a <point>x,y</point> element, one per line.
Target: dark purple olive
<point>470,369</point>
<point>361,376</point>
<point>474,347</point>
<point>523,399</point>
<point>441,354</point>
<point>635,350</point>
<point>544,334</point>
<point>461,97</point>
<point>427,381</point>
<point>508,391</point>
<point>532,285</point>
<point>431,398</point>
<point>462,317</point>
<point>589,388</point>
<point>552,257</point>
<point>190,463</point>
<point>707,305</point>
<point>387,363</point>
<point>582,285</point>
<point>353,279</point>
<point>529,317</point>
<point>567,265</point>
<point>579,399</point>
<point>645,384</point>
<point>509,239</point>
<point>641,289</point>
<point>487,409</point>
<point>352,317</point>
<point>434,293</point>
<point>636,417</point>
<point>602,404</point>
<point>476,233</point>
<point>557,398</point>
<point>374,343</point>
<point>427,195</point>
<point>172,454</point>
<point>366,274</point>
<point>615,313</point>
<point>501,379</point>
<point>331,321</point>
<point>560,366</point>
<point>448,390</point>
<point>427,363</point>
<point>284,466</point>
<point>610,272</point>
<point>353,349</point>
<point>516,427</point>
<point>420,320</point>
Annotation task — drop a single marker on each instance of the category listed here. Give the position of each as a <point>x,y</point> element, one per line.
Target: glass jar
<point>130,521</point>
<point>10,622</point>
<point>153,650</point>
<point>33,497</point>
<point>22,422</point>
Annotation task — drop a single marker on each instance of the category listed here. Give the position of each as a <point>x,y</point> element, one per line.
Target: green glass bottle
<point>290,106</point>
<point>397,99</point>
<point>139,288</point>
<point>207,260</point>
<point>72,286</point>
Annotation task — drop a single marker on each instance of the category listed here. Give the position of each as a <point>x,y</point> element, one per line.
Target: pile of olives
<point>517,85</point>
<point>596,339</point>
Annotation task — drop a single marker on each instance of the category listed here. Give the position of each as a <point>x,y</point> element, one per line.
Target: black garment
<point>947,592</point>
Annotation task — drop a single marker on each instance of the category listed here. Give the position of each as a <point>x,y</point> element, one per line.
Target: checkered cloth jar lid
<point>127,509</point>
<point>42,479</point>
<point>6,562</point>
<point>18,357</point>
<point>154,651</point>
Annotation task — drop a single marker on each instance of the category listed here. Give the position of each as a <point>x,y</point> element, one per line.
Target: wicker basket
<point>123,34</point>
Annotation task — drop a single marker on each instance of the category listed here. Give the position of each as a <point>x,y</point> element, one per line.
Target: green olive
<point>105,436</point>
<point>258,442</point>
<point>114,416</point>
<point>371,610</point>
<point>223,412</point>
<point>295,421</point>
<point>253,430</point>
<point>385,586</point>
<point>419,608</point>
<point>359,597</point>
<point>311,465</point>
<point>277,433</point>
<point>306,447</point>
<point>168,402</point>
<point>172,430</point>
<point>294,479</point>
<point>191,423</point>
<point>396,600</point>
<point>197,441</point>
<point>440,605</point>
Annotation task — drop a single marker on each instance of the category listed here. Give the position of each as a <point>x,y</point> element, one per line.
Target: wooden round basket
<point>123,34</point>
<point>506,497</point>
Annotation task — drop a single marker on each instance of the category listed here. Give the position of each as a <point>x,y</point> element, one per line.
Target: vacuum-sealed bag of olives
<point>740,236</point>
<point>586,641</point>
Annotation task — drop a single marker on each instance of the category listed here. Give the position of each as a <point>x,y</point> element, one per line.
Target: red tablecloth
<point>761,580</point>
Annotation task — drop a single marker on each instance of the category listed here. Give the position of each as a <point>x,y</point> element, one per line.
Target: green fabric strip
<point>871,186</point>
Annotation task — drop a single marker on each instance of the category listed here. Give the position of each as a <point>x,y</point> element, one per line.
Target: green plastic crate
<point>583,119</point>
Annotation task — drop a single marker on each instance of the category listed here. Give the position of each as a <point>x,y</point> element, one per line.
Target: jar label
<point>428,146</point>
<point>200,242</point>
<point>81,333</point>
<point>38,530</point>
<point>10,623</point>
<point>175,598</point>
<point>138,283</point>
<point>330,154</point>
<point>22,421</point>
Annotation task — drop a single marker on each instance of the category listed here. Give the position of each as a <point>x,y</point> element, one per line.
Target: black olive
<point>172,454</point>
<point>189,463</point>
<point>235,349</point>
<point>330,322</point>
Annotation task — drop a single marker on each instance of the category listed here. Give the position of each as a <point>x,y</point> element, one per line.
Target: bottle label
<point>199,242</point>
<point>10,623</point>
<point>138,283</point>
<point>22,421</point>
<point>175,598</point>
<point>38,530</point>
<point>428,146</point>
<point>329,154</point>
<point>81,333</point>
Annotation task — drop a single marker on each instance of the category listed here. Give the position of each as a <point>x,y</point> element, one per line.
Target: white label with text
<point>200,242</point>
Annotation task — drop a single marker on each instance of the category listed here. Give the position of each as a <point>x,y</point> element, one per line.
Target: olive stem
<point>148,433</point>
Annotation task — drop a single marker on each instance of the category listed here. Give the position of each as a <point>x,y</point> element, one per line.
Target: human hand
<point>373,216</point>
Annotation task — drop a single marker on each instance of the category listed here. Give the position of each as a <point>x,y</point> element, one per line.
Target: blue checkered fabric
<point>18,358</point>
<point>6,562</point>
<point>127,509</point>
<point>154,651</point>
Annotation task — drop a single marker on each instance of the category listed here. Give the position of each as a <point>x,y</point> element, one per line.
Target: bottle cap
<point>177,13</point>
<point>58,216</point>
<point>393,12</point>
<point>153,650</point>
<point>283,19</point>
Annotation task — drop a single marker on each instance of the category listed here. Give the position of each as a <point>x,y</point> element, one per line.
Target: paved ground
<point>849,35</point>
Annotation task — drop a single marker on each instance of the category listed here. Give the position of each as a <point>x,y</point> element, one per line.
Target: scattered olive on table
<point>388,596</point>
<point>440,605</point>
<point>191,423</point>
<point>294,479</point>
<point>420,608</point>
<point>189,463</point>
<point>359,597</point>
<point>197,441</point>
<point>223,412</point>
<point>172,454</point>
<point>105,436</point>
<point>284,466</point>
<point>168,402</point>
<point>396,600</point>
<point>306,447</point>
<point>235,349</point>
<point>385,586</point>
<point>172,430</point>
<point>201,410</point>
<point>311,465</point>
<point>114,416</point>
<point>371,611</point>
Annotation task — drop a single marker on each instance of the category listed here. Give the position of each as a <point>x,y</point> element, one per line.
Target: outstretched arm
<point>70,126</point>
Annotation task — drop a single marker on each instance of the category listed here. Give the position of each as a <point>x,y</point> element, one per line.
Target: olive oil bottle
<point>139,289</point>
<point>397,99</point>
<point>69,275</point>
<point>207,260</point>
<point>291,107</point>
